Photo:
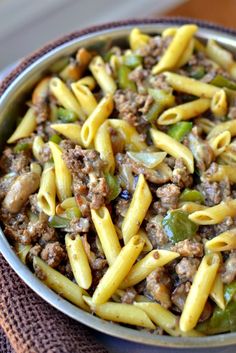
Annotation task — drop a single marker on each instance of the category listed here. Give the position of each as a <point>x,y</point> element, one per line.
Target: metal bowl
<point>13,91</point>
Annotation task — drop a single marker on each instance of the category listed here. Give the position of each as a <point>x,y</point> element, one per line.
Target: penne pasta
<point>190,85</point>
<point>184,111</point>
<point>107,234</point>
<point>185,57</point>
<point>25,128</point>
<point>95,120</point>
<point>199,291</point>
<point>133,140</point>
<point>65,97</point>
<point>85,97</point>
<point>118,270</point>
<point>217,292</point>
<point>137,39</point>
<point>123,313</point>
<point>102,144</point>
<point>149,263</point>
<point>176,49</point>
<point>205,124</point>
<point>191,207</point>
<point>219,142</point>
<point>227,126</point>
<point>219,104</point>
<point>222,172</point>
<point>215,214</point>
<point>135,214</point>
<point>88,81</point>
<point>37,148</point>
<point>105,81</point>
<point>59,283</point>
<point>225,241</point>
<point>71,131</point>
<point>173,147</point>
<point>46,196</point>
<point>62,174</point>
<point>147,244</point>
<point>164,319</point>
<point>78,260</point>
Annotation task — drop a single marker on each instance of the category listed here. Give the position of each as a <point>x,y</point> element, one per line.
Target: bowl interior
<point>10,107</point>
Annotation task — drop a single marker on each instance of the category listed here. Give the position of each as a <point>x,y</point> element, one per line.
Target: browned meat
<point>96,262</point>
<point>139,76</point>
<point>188,248</point>
<point>153,50</point>
<point>207,311</point>
<point>158,208</point>
<point>169,195</point>
<point>128,105</point>
<point>80,225</point>
<point>232,113</point>
<point>210,232</point>
<point>157,285</point>
<point>159,82</point>
<point>201,150</point>
<point>121,207</point>
<point>117,141</point>
<point>186,268</point>
<point>89,184</point>
<point>53,254</point>
<point>33,200</point>
<point>155,232</point>
<point>20,190</point>
<point>35,250</point>
<point>129,296</point>
<point>181,176</point>
<point>14,162</point>
<point>214,192</point>
<point>229,268</point>
<point>179,295</point>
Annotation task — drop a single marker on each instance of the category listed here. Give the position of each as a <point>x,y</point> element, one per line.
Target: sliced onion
<point>147,159</point>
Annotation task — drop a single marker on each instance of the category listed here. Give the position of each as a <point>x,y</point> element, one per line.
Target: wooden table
<point>219,11</point>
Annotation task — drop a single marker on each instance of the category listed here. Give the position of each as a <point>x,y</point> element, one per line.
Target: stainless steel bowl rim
<point>13,81</point>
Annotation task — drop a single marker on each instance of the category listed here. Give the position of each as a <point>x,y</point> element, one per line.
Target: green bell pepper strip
<point>178,226</point>
<point>123,78</point>
<point>192,195</point>
<point>198,72</point>
<point>21,146</point>
<point>179,130</point>
<point>229,292</point>
<point>66,116</point>
<point>113,185</point>
<point>55,138</point>
<point>154,111</point>
<point>221,81</point>
<point>164,98</point>
<point>221,321</point>
<point>58,222</point>
<point>132,60</point>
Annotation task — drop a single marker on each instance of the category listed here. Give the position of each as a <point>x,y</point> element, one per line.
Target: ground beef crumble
<point>169,195</point>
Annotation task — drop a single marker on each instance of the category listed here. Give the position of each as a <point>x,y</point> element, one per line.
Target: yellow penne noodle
<point>221,56</point>
<point>227,126</point>
<point>37,148</point>
<point>169,32</point>
<point>219,105</point>
<point>78,260</point>
<point>102,144</point>
<point>95,120</point>
<point>25,128</point>
<point>184,111</point>
<point>40,92</point>
<point>105,81</point>
<point>60,284</point>
<point>66,204</point>
<point>85,97</point>
<point>201,287</point>
<point>205,124</point>
<point>222,172</point>
<point>147,245</point>
<point>62,173</point>
<point>191,207</point>
<point>65,97</point>
<point>176,48</point>
<point>133,140</point>
<point>217,292</point>
<point>116,273</point>
<point>164,319</point>
<point>71,131</point>
<point>185,57</point>
<point>88,81</point>
<point>190,85</point>
<point>47,191</point>
<point>137,39</point>
<point>135,214</point>
<point>123,313</point>
<point>107,234</point>
<point>220,142</point>
<point>149,263</point>
<point>215,214</point>
<point>223,242</point>
<point>173,147</point>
